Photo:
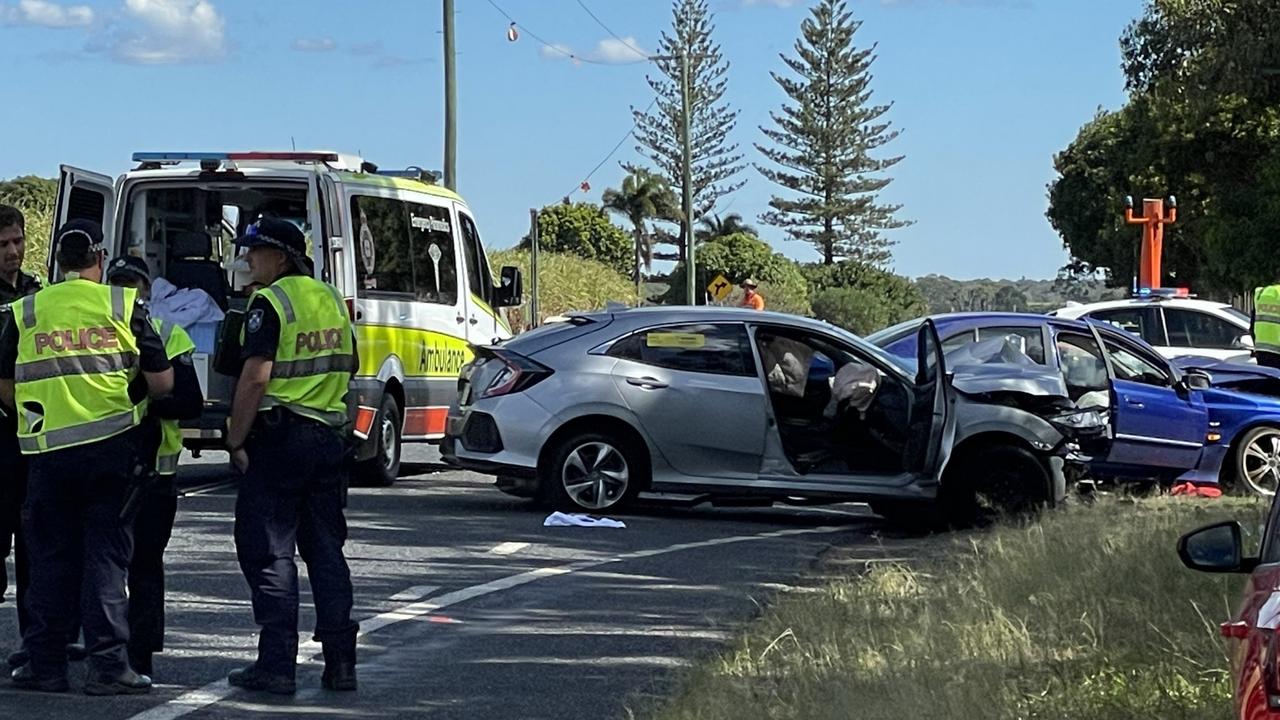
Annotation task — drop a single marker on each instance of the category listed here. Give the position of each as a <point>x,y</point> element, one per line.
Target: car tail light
<point>1270,676</point>
<point>351,309</point>
<point>518,373</point>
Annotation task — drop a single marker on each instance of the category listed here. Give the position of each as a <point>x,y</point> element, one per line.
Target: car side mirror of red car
<point>1215,548</point>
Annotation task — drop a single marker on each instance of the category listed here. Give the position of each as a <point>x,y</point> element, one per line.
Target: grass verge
<point>1087,614</point>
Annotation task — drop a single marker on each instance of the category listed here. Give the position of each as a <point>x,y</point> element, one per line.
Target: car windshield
<point>906,365</point>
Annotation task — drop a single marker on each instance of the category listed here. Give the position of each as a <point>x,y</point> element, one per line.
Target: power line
<point>615,35</point>
<point>560,48</point>
<point>615,148</point>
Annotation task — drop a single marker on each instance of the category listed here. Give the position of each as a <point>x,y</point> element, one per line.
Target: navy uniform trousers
<point>78,550</point>
<point>292,497</point>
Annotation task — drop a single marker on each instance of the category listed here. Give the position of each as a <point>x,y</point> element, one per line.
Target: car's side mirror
<point>1216,549</point>
<point>1244,342</point>
<point>1197,380</point>
<point>511,291</point>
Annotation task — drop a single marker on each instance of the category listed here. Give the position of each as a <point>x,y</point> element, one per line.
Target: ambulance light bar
<point>176,157</point>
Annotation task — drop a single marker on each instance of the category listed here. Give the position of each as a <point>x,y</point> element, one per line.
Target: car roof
<point>952,322</point>
<point>1192,303</point>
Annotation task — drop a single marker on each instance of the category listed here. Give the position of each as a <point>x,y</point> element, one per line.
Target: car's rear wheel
<point>593,472</point>
<point>383,468</point>
<point>1257,462</point>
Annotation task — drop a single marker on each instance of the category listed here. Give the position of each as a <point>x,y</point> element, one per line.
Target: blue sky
<point>984,91</point>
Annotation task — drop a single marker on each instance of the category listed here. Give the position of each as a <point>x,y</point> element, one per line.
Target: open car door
<point>83,195</point>
<point>927,444</point>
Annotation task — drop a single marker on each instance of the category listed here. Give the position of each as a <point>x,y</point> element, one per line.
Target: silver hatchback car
<point>740,406</point>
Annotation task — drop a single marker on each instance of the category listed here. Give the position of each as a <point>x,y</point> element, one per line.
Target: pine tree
<point>659,132</point>
<point>824,142</point>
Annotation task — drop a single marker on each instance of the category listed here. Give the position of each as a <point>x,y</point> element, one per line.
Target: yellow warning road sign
<point>720,288</point>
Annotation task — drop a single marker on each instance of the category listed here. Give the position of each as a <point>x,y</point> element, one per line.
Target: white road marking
<point>216,691</point>
<point>509,548</point>
<point>417,592</point>
<point>207,488</point>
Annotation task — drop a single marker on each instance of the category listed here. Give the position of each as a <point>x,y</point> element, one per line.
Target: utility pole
<point>687,180</point>
<point>450,103</point>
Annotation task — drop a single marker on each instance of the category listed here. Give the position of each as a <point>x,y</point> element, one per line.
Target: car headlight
<point>1079,420</point>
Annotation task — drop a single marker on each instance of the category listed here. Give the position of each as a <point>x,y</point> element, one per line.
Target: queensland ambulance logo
<point>368,252</point>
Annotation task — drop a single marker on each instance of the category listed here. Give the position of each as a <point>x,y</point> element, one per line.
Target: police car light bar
<point>176,157</point>
<point>1159,293</point>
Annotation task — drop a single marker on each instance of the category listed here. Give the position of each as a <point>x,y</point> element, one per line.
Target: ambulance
<point>404,252</point>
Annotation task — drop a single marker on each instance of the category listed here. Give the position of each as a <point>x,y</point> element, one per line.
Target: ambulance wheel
<point>383,468</point>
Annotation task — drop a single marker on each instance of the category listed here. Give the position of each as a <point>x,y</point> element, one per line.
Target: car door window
<point>1030,340</point>
<point>1082,364</point>
<point>1141,321</point>
<point>1195,329</point>
<point>701,348</point>
<point>1129,365</point>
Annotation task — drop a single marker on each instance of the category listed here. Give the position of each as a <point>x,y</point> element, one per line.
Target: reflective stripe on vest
<point>81,434</point>
<point>315,356</point>
<point>176,343</point>
<point>77,356</point>
<point>73,365</point>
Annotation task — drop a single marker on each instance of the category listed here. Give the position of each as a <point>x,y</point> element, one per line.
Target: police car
<point>1174,323</point>
<point>405,253</point>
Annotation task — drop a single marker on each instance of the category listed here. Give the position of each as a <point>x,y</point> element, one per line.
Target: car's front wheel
<point>992,481</point>
<point>593,472</point>
<point>1257,462</point>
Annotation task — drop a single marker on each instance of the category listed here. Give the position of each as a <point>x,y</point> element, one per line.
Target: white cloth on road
<point>559,519</point>
<point>185,307</point>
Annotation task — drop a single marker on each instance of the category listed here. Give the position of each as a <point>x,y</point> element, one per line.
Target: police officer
<point>78,363</point>
<point>14,284</point>
<point>1266,326</point>
<point>159,502</point>
<point>287,437</point>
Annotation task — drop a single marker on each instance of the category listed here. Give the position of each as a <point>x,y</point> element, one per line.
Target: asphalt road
<point>469,607</point>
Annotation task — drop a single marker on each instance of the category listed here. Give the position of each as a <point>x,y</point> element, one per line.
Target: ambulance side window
<point>477,268</point>
<point>384,261</point>
<point>435,258</point>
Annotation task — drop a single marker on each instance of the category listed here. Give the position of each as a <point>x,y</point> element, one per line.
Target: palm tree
<point>643,197</point>
<point>716,227</point>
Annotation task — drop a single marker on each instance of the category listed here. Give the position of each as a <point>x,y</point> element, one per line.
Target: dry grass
<point>1088,614</point>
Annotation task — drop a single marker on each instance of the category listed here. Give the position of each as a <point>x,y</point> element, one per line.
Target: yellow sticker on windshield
<point>675,340</point>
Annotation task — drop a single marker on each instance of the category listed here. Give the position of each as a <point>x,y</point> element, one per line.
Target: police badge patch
<point>253,323</point>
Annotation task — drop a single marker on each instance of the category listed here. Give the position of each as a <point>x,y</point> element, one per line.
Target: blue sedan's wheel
<point>1258,461</point>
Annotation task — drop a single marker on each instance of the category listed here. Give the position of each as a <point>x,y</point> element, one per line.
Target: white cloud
<point>46,14</point>
<point>324,44</point>
<point>610,50</point>
<point>166,32</point>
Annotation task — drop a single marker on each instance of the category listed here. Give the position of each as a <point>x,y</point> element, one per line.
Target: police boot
<point>141,662</point>
<point>125,683</point>
<point>76,652</point>
<point>24,678</point>
<point>339,666</point>
<point>18,659</point>
<point>251,678</point>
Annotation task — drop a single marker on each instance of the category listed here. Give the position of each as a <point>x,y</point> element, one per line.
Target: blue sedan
<point>1184,420</point>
